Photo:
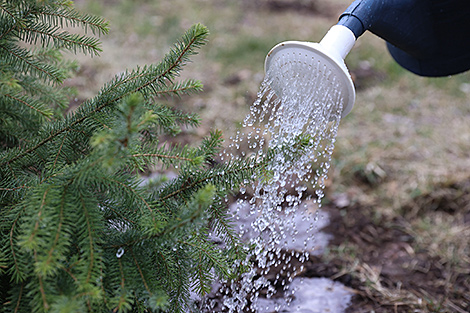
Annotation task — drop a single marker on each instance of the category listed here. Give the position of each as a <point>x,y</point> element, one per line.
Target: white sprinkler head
<point>326,59</point>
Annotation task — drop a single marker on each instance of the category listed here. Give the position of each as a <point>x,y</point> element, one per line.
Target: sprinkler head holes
<point>317,64</point>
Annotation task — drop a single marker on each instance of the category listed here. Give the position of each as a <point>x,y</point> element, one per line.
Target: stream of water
<point>293,122</point>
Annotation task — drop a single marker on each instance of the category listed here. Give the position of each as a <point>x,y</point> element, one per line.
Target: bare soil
<point>384,267</point>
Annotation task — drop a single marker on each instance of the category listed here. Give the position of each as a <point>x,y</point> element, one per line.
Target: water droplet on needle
<point>120,252</point>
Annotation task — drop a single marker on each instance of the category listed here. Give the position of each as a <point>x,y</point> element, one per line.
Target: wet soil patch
<point>378,258</point>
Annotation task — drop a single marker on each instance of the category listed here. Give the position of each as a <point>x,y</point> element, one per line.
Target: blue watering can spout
<point>426,37</point>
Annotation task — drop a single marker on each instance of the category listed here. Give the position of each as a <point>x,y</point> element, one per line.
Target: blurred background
<point>399,186</point>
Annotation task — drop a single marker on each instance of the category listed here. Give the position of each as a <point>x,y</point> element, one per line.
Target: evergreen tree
<point>79,231</point>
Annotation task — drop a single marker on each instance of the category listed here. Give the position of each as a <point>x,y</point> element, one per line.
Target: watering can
<point>427,37</point>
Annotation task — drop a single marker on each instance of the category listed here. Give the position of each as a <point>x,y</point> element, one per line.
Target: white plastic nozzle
<point>338,42</point>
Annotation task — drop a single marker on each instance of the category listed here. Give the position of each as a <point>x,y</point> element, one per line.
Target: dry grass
<point>402,160</point>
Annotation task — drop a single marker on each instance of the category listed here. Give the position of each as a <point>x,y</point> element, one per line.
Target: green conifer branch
<point>132,191</point>
<point>45,304</point>
<point>23,61</point>
<point>10,20</point>
<point>15,271</point>
<point>51,35</point>
<point>70,184</point>
<point>175,155</point>
<point>219,223</point>
<point>211,145</point>
<point>20,295</point>
<point>36,21</point>
<point>229,176</point>
<point>179,88</point>
<point>162,156</point>
<point>123,303</point>
<point>7,10</point>
<point>168,69</point>
<point>70,17</point>
<point>30,103</point>
<point>195,37</point>
<point>168,120</point>
<point>44,93</point>
<point>209,257</point>
<point>144,281</point>
<point>54,254</point>
<point>58,153</point>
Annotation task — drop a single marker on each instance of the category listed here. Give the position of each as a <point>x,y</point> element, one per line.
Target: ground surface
<point>399,188</point>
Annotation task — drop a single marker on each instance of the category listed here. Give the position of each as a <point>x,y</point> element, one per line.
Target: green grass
<point>246,51</point>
